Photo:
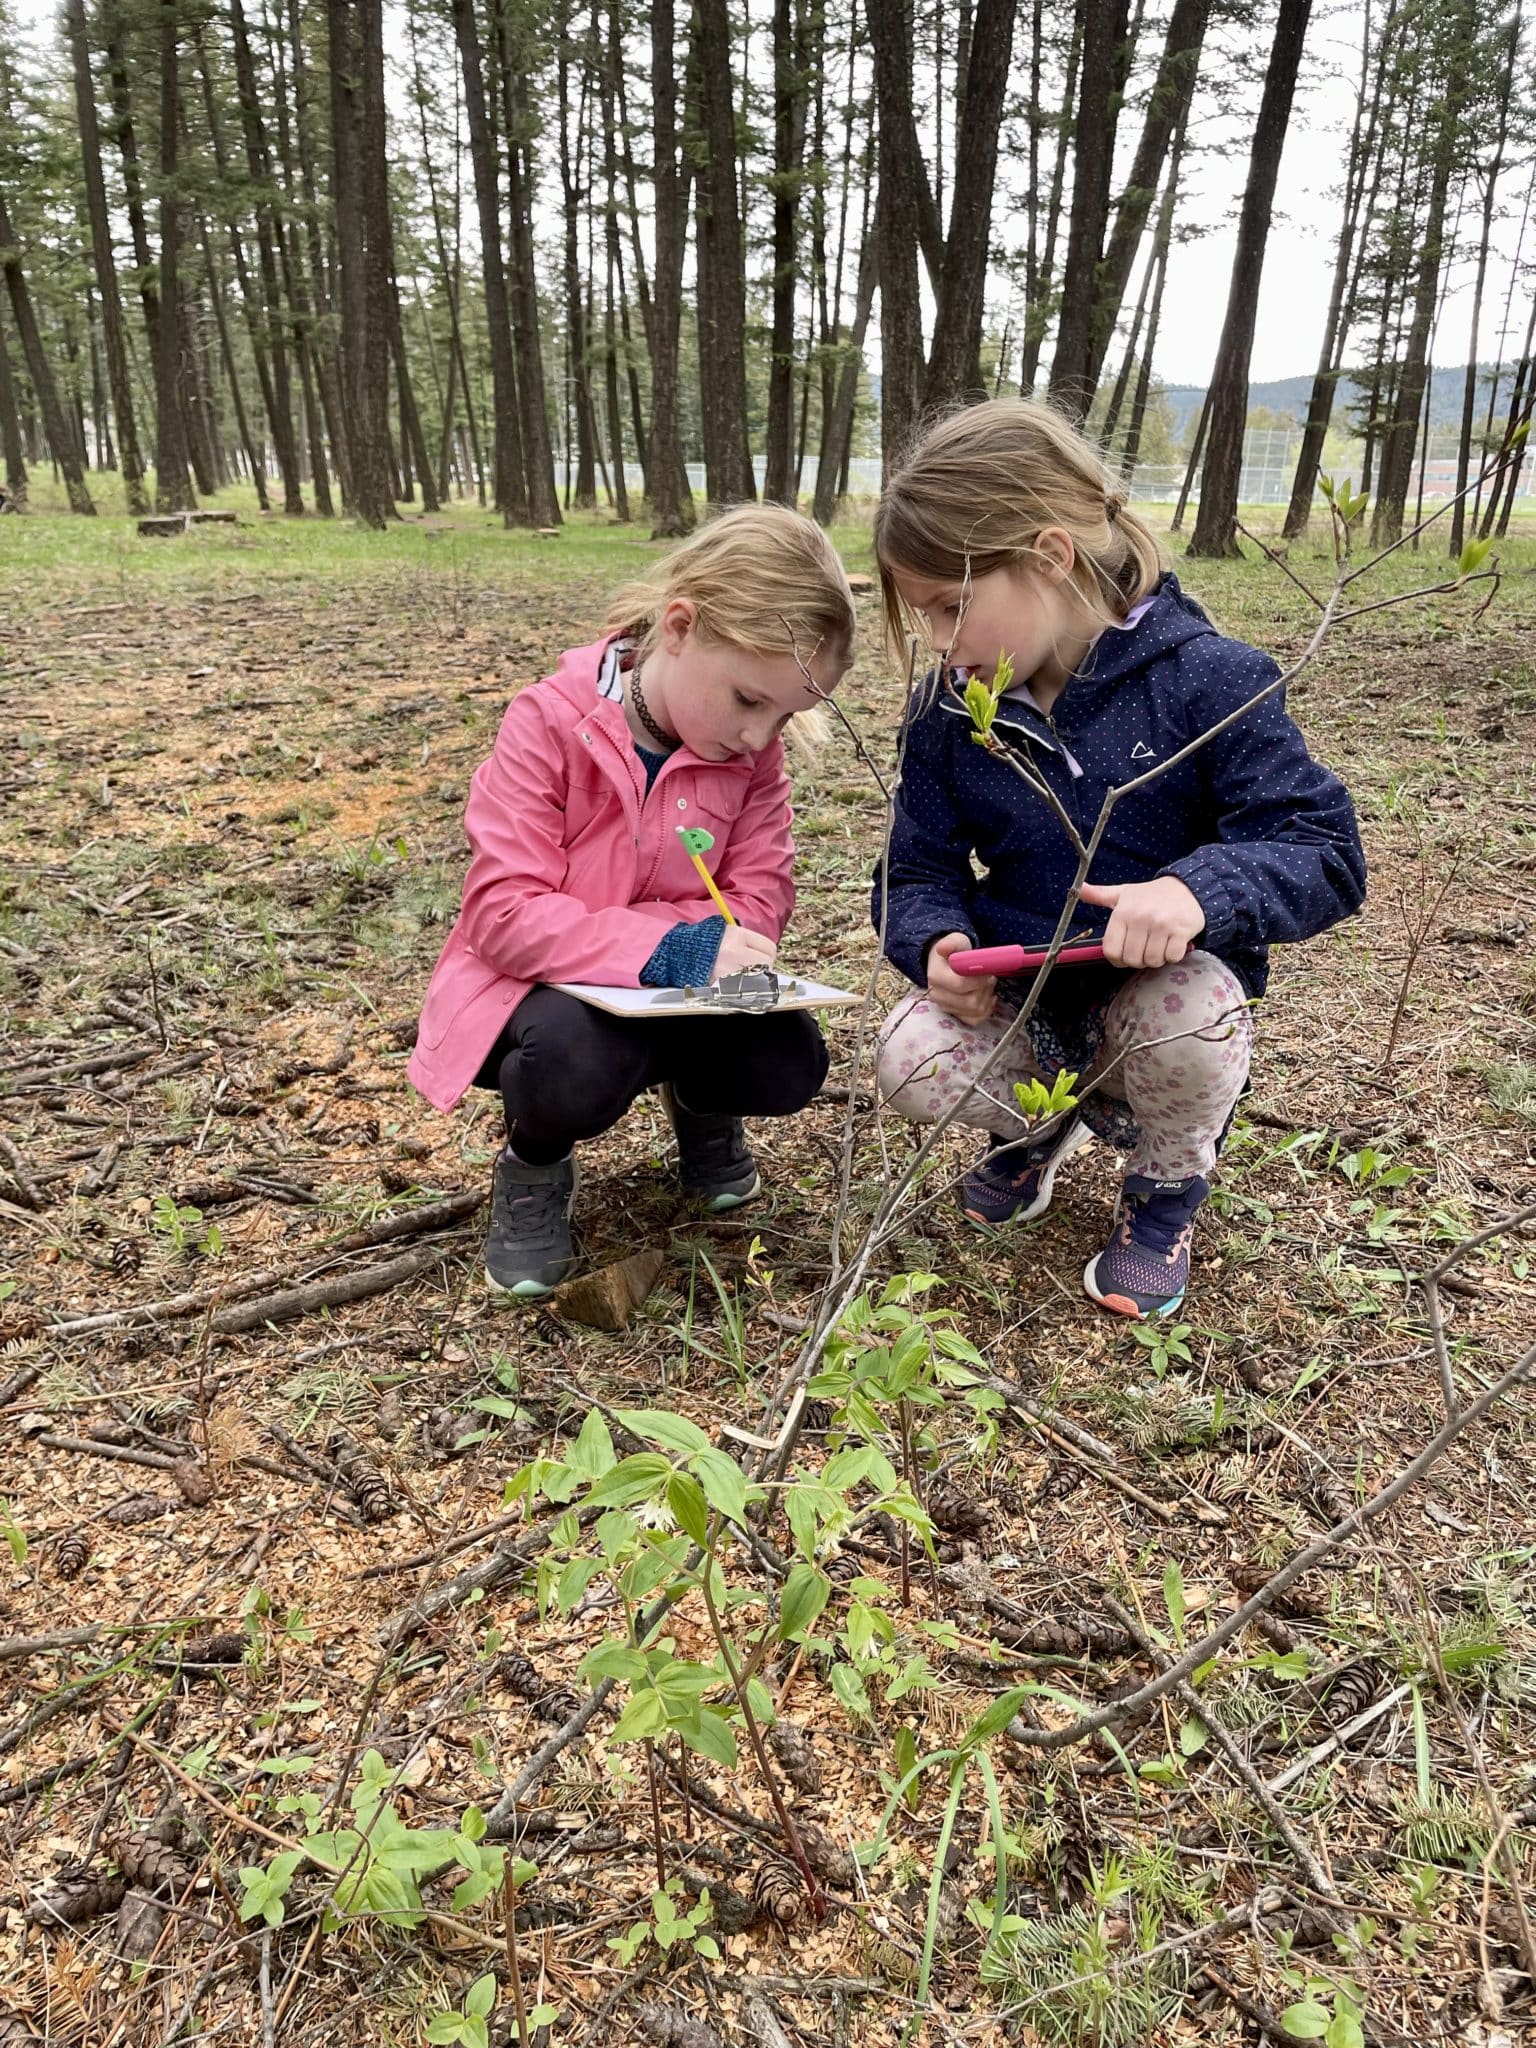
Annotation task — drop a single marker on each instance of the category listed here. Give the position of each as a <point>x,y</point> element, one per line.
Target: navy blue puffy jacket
<point>1263,835</point>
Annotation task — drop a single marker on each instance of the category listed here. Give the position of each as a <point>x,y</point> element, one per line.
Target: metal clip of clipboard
<point>751,993</point>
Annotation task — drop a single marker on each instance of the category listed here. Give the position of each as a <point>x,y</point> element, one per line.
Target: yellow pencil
<point>696,843</point>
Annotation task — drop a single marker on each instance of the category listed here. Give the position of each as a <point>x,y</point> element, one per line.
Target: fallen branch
<point>413,1223</point>
<point>87,1446</point>
<point>301,1301</point>
<point>1304,1560</point>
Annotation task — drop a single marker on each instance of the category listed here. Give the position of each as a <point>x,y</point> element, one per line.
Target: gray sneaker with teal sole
<point>713,1161</point>
<point>528,1249</point>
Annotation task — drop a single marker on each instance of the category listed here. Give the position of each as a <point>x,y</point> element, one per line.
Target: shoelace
<point>1159,1233</point>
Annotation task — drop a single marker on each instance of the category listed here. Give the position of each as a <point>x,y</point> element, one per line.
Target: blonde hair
<point>978,488</point>
<point>760,577</point>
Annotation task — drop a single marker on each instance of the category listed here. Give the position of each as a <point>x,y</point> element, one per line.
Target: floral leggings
<point>1173,1046</point>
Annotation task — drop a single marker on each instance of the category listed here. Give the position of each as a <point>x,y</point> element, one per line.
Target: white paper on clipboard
<point>643,1002</point>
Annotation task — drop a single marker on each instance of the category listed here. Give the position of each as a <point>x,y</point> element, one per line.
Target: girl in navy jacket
<point>1006,534</point>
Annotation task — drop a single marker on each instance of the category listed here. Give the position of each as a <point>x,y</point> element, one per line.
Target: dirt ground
<point>230,847</point>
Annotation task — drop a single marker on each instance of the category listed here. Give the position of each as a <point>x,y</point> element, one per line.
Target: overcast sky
<point>1298,263</point>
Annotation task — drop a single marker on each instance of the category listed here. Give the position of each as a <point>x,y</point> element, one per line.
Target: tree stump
<point>606,1299</point>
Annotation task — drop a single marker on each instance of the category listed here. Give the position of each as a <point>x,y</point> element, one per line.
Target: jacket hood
<point>1161,622</point>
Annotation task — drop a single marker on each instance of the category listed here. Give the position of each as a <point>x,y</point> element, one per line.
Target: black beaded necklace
<point>666,740</point>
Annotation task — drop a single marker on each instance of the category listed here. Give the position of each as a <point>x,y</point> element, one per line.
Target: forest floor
<point>230,846</point>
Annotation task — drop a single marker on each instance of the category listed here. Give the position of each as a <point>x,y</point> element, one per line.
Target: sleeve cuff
<point>686,956</point>
<point>1202,877</point>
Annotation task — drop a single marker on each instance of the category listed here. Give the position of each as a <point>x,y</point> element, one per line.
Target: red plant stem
<point>509,1903</point>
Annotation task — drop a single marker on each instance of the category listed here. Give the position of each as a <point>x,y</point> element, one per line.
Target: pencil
<point>696,843</point>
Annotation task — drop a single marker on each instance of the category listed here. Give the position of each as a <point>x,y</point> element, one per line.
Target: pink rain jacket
<point>576,873</point>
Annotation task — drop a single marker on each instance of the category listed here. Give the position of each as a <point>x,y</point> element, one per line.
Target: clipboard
<point>793,992</point>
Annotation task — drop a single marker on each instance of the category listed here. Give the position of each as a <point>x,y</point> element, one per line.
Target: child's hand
<point>969,999</point>
<point>1151,924</point>
<point>742,949</point>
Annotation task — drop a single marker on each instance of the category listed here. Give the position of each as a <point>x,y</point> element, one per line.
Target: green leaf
<point>711,1735</point>
<point>614,1660</point>
<point>1305,2021</point>
<point>660,1426</point>
<point>706,1945</point>
<point>690,1510</point>
<point>473,1824</point>
<point>1193,1736</point>
<point>806,1592</point>
<point>574,1581</point>
<point>1173,1596</point>
<point>592,1453</point>
<point>904,1747</point>
<point>851,1690</point>
<point>481,1996</point>
<point>645,1715</point>
<point>636,1478</point>
<point>723,1482</point>
<point>444,2026</point>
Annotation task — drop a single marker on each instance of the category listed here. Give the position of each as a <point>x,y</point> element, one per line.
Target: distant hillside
<point>1290,395</point>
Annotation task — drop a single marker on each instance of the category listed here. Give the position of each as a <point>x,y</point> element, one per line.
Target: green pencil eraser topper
<point>695,839</point>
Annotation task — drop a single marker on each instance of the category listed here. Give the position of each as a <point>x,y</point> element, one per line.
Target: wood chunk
<point>163,525</point>
<point>860,584</point>
<point>606,1299</point>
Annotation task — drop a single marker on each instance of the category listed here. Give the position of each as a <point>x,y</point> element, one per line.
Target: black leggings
<point>567,1071</point>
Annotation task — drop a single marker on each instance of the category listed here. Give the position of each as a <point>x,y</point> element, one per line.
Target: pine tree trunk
<point>1172,91</point>
<point>1365,160</point>
<point>133,188</point>
<point>202,424</point>
<point>1093,151</point>
<point>790,60</point>
<point>1400,431</point>
<point>672,511</point>
<point>584,495</point>
<point>509,488</point>
<point>837,433</point>
<point>254,465</point>
<point>954,366</point>
<point>1040,278</point>
<point>1216,521</point>
<point>897,228</point>
<point>1490,175</point>
<point>11,444</point>
<point>361,200</point>
<point>119,381</point>
<point>538,449</point>
<point>722,296</point>
<point>173,484</point>
<point>1162,243</point>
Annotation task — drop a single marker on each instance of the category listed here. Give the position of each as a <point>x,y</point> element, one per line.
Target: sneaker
<point>528,1248</point>
<point>1014,1186</point>
<point>713,1161</point>
<point>1144,1269</point>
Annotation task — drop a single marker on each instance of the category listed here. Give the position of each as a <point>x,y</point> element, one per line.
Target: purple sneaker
<point>1144,1269</point>
<point>1014,1186</point>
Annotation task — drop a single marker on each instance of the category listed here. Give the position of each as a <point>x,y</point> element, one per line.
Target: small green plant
<point>1330,2010</point>
<point>668,1928</point>
<point>982,698</point>
<point>13,1533</point>
<point>1164,1347</point>
<point>1038,1104</point>
<point>183,1228</point>
<point>467,2023</point>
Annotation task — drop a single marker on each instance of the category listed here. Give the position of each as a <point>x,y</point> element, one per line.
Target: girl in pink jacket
<point>576,873</point>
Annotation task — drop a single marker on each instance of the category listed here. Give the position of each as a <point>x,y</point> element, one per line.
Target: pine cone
<point>792,1747</point>
<point>1340,1698</point>
<point>552,1703</point>
<point>779,1889</point>
<point>1274,1632</point>
<point>1072,1861</point>
<point>79,1895</point>
<point>396,1180</point>
<point>194,1480</point>
<point>832,1863</point>
<point>112,1433</point>
<point>19,1329</point>
<point>72,1555</point>
<point>200,1654</point>
<point>1302,1602</point>
<point>1081,1636</point>
<point>1333,1499</point>
<point>401,1032</point>
<point>126,1258</point>
<point>361,1477</point>
<point>667,2026</point>
<point>150,1865</point>
<point>817,1415</point>
<point>140,1923</point>
<point>134,1508</point>
<point>955,1511</point>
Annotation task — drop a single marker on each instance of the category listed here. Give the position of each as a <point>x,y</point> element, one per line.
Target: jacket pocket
<point>459,981</point>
